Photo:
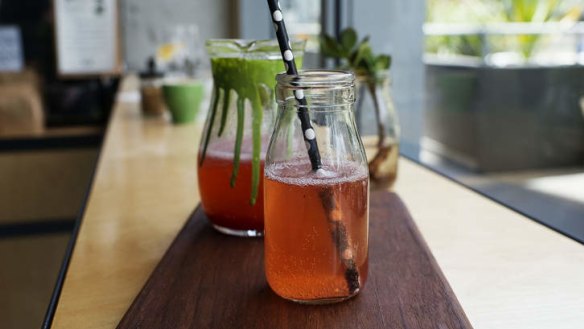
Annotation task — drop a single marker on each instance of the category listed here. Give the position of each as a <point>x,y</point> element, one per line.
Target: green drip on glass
<point>251,80</point>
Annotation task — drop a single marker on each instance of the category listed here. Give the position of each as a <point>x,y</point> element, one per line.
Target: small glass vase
<point>378,126</point>
<point>237,130</point>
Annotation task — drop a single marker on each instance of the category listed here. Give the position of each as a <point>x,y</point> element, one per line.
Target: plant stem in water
<point>383,150</point>
<point>380,124</point>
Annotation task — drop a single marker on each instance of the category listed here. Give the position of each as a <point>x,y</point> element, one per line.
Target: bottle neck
<point>323,90</point>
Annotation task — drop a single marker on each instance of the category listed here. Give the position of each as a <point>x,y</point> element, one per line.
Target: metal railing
<point>484,32</point>
<point>441,29</point>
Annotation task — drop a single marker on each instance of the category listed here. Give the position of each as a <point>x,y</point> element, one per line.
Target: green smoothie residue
<point>252,80</point>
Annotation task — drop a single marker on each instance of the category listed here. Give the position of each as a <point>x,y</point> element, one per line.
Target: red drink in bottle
<point>303,261</point>
<point>316,191</point>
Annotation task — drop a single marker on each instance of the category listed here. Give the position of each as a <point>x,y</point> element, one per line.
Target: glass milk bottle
<point>316,221</point>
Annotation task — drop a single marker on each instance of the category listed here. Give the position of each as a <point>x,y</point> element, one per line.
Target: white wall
<point>396,28</point>
<point>142,18</point>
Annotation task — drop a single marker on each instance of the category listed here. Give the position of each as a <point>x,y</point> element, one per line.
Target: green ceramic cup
<point>183,99</point>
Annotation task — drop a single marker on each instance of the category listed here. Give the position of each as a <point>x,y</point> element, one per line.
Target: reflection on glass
<point>504,100</point>
<point>178,49</point>
<point>303,21</point>
<point>506,32</point>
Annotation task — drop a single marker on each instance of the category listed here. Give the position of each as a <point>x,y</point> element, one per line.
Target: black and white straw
<point>337,227</point>
<point>290,65</point>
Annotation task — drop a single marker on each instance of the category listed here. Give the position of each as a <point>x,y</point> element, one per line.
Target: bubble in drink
<point>302,259</point>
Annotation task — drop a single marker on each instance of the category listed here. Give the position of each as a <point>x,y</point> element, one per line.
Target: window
<point>489,92</point>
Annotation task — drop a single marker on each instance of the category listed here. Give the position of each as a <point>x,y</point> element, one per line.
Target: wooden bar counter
<point>506,270</point>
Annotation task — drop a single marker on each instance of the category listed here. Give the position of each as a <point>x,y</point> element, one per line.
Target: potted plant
<point>375,114</point>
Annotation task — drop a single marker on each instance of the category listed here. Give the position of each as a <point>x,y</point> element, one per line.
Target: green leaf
<point>367,53</point>
<point>348,39</point>
<point>329,47</point>
<point>363,52</point>
<point>357,56</point>
<point>383,62</point>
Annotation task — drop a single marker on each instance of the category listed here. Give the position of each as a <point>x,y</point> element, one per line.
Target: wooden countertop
<point>506,270</point>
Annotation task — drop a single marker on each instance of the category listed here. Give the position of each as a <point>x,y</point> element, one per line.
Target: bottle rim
<point>317,78</point>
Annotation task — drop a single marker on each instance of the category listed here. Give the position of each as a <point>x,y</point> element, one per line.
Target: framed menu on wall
<point>87,35</point>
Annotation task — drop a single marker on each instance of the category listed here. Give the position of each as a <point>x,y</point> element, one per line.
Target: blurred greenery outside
<point>481,13</point>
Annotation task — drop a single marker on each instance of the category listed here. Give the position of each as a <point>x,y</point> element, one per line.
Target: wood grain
<point>506,270</point>
<point>209,280</point>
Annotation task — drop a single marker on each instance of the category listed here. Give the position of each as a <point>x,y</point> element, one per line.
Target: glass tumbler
<point>316,222</point>
<point>237,131</point>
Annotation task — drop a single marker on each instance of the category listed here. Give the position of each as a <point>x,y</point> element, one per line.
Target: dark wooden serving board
<point>210,280</point>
